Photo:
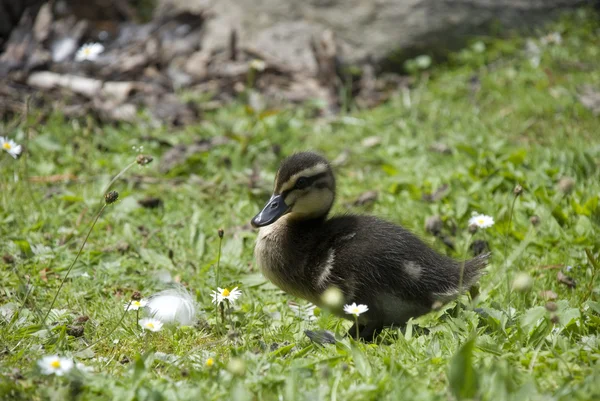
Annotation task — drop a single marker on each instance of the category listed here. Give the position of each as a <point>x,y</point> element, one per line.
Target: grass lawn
<point>499,113</point>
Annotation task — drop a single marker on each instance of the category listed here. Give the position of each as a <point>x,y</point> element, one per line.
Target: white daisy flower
<point>304,312</point>
<point>173,306</point>
<point>355,310</point>
<point>89,51</point>
<point>481,220</point>
<point>135,305</point>
<point>151,324</point>
<point>11,147</point>
<point>224,294</point>
<point>54,364</point>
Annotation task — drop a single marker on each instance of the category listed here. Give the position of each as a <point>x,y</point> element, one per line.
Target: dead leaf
<point>341,159</point>
<point>371,141</point>
<point>434,224</point>
<point>548,295</point>
<point>44,274</point>
<point>53,178</point>
<point>439,194</point>
<point>566,280</point>
<point>366,198</point>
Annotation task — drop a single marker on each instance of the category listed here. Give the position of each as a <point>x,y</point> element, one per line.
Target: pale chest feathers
<point>270,257</point>
<point>283,268</point>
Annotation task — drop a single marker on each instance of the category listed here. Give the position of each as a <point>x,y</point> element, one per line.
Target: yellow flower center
<point>137,303</point>
<point>150,325</point>
<point>87,51</point>
<point>210,362</point>
<point>226,292</point>
<point>6,145</point>
<point>355,311</point>
<point>55,364</point>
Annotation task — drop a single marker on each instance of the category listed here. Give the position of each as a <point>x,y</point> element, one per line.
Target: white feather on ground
<point>173,306</point>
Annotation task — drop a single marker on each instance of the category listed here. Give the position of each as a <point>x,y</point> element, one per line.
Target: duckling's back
<point>388,268</point>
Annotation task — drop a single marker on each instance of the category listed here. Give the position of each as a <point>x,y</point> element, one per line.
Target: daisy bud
<point>551,306</point>
<point>522,282</point>
<point>221,233</point>
<point>75,331</point>
<point>554,318</point>
<point>433,224</point>
<point>333,298</point>
<point>111,197</point>
<point>473,228</point>
<point>136,296</point>
<point>566,185</point>
<point>518,190</point>
<point>237,367</point>
<point>534,220</point>
<point>142,160</point>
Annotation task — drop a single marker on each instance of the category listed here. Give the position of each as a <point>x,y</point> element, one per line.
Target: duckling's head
<point>304,190</point>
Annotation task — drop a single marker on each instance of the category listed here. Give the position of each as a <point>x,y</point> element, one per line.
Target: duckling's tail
<point>473,269</point>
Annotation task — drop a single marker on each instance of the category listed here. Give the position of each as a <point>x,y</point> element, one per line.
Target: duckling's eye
<point>301,183</point>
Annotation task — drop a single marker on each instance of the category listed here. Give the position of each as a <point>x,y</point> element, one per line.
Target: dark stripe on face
<point>310,181</point>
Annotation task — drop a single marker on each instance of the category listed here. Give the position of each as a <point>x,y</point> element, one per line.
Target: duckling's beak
<point>274,209</point>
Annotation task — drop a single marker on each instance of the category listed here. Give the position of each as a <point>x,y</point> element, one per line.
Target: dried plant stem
<point>73,263</point>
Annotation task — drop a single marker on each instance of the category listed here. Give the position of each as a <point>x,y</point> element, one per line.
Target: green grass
<point>525,125</point>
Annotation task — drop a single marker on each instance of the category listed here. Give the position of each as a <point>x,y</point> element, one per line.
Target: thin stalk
<point>462,264</point>
<point>462,271</point>
<point>130,165</point>
<point>506,270</point>
<point>73,263</point>
<point>356,324</point>
<point>217,278</point>
<point>112,330</point>
<point>219,259</point>
<point>595,268</point>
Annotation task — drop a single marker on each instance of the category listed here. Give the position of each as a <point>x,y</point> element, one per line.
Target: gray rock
<point>382,30</point>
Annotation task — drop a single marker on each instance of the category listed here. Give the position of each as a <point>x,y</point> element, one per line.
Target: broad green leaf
<point>462,376</point>
<point>361,362</point>
<point>531,317</point>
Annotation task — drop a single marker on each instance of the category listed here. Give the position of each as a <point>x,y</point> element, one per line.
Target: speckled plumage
<point>372,261</point>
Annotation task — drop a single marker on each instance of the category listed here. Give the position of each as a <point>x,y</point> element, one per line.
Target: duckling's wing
<point>374,253</point>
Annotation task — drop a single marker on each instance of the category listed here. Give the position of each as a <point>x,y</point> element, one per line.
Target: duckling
<point>371,261</point>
